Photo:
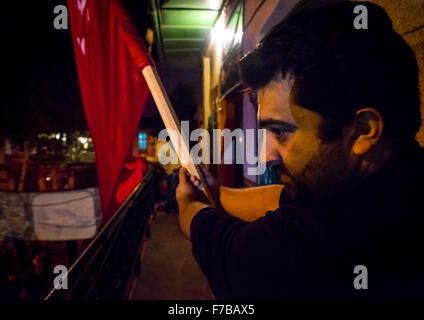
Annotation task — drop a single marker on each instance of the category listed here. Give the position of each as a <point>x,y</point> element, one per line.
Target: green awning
<point>182,27</point>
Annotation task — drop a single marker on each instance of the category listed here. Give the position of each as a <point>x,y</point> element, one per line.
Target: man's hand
<point>212,184</point>
<point>187,196</point>
<point>185,191</point>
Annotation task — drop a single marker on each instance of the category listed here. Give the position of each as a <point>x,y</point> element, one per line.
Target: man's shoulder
<point>291,221</point>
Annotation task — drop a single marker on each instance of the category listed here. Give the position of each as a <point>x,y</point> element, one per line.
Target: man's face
<point>311,168</point>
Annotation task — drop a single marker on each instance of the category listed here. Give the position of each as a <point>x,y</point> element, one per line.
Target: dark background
<point>40,90</point>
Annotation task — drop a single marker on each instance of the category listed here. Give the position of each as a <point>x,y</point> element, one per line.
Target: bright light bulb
<point>238,36</point>
<point>83,140</point>
<point>228,36</point>
<point>214,4</point>
<point>218,29</point>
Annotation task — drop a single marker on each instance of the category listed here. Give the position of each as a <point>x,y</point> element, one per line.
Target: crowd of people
<point>26,267</point>
<point>24,270</point>
<point>168,176</point>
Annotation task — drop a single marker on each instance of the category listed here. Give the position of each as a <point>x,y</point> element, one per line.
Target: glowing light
<point>85,146</point>
<point>218,30</point>
<point>214,4</point>
<point>57,136</point>
<point>227,37</point>
<point>238,36</point>
<point>222,36</point>
<point>142,141</point>
<point>82,140</point>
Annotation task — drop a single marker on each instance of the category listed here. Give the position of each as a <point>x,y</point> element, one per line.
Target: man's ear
<point>368,126</point>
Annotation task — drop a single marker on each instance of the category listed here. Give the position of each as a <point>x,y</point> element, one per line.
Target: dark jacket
<point>301,252</point>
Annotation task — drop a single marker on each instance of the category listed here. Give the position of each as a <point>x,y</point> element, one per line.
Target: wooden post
<point>171,121</point>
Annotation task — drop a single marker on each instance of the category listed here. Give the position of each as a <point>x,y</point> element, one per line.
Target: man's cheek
<point>305,147</point>
<point>296,159</point>
<point>290,166</point>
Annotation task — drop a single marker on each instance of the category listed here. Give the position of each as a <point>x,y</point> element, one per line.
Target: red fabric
<point>110,55</point>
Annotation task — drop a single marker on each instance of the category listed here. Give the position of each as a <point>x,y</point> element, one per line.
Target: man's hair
<point>338,69</point>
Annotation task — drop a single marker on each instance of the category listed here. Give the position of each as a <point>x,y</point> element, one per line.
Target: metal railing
<point>106,269</point>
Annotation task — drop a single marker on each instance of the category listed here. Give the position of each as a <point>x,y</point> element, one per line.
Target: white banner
<point>65,215</point>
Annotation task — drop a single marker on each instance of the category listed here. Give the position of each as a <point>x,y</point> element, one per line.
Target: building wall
<point>408,21</point>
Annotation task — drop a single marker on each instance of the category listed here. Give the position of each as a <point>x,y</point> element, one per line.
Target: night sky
<point>40,91</point>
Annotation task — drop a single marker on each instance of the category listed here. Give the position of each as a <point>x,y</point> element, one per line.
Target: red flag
<point>110,56</point>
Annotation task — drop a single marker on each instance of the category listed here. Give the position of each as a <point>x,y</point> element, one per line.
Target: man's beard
<point>327,176</point>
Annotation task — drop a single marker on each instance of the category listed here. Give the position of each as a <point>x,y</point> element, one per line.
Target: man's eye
<point>280,135</point>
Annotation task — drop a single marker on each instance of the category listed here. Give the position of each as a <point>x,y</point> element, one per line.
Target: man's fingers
<point>195,181</point>
<point>183,175</point>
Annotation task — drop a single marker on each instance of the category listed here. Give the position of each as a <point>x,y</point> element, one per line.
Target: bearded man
<point>341,108</point>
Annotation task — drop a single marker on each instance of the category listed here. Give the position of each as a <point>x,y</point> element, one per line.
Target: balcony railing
<point>106,269</point>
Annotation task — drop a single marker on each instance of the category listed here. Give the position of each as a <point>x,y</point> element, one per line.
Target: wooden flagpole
<point>171,121</point>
